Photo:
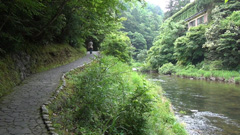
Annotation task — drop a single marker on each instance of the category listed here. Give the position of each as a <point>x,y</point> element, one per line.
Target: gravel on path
<point>20,110</point>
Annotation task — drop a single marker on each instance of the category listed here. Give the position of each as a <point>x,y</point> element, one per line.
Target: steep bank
<point>15,67</point>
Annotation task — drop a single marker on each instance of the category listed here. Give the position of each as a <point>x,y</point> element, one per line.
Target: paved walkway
<point>20,110</point>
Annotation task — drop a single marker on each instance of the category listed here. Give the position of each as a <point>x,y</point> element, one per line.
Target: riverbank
<point>192,72</point>
<point>108,97</point>
<point>16,66</point>
<point>216,75</point>
<point>200,74</point>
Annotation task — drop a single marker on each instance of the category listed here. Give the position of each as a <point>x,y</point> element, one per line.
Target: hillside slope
<point>15,67</point>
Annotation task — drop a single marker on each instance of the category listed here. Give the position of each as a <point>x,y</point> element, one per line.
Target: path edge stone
<point>44,111</point>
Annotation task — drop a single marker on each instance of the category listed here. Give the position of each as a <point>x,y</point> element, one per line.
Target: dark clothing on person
<point>90,46</point>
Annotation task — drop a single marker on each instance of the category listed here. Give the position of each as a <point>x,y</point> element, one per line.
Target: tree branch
<point>61,7</point>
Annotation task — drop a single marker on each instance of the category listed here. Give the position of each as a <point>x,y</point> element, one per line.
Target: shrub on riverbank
<point>237,80</point>
<point>192,72</point>
<point>106,97</point>
<point>168,68</point>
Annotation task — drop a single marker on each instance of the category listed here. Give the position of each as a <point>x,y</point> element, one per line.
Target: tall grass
<point>107,98</point>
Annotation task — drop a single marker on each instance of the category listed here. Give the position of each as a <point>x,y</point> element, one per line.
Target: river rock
<point>134,69</point>
<point>194,111</point>
<point>220,79</point>
<point>212,78</point>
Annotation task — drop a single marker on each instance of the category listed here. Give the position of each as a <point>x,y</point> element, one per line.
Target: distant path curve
<point>20,110</point>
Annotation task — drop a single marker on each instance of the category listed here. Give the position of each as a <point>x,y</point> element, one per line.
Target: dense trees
<point>189,49</point>
<point>138,41</point>
<point>223,36</point>
<point>213,46</point>
<point>142,25</point>
<point>43,22</point>
<point>163,47</point>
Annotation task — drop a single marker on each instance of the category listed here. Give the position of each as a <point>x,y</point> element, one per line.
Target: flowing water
<point>205,108</point>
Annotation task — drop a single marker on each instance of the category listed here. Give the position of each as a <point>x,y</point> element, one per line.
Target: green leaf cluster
<point>117,45</point>
<point>163,48</point>
<point>137,40</point>
<point>188,49</point>
<point>167,68</point>
<point>142,56</point>
<point>223,36</point>
<point>144,20</point>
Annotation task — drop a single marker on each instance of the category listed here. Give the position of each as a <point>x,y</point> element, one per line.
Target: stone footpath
<point>20,110</point>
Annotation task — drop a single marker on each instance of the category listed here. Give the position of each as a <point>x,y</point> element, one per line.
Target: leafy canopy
<point>118,45</point>
<point>163,48</point>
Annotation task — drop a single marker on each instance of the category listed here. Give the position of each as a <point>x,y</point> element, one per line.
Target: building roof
<point>195,15</point>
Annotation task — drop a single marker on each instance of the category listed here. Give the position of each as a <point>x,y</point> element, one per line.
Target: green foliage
<point>137,40</point>
<point>143,20</point>
<point>167,68</point>
<point>237,80</point>
<point>66,21</point>
<point>194,7</point>
<point>8,76</point>
<point>97,90</point>
<point>145,67</point>
<point>188,49</point>
<point>188,10</point>
<point>221,75</point>
<point>211,47</point>
<point>108,98</point>
<point>163,48</point>
<point>223,36</point>
<point>42,58</point>
<point>174,6</point>
<point>142,56</point>
<point>118,45</point>
<point>212,65</point>
<point>205,4</point>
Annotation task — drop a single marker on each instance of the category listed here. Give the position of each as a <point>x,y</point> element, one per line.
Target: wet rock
<point>212,78</point>
<point>44,109</point>
<point>46,117</point>
<point>220,79</point>
<point>194,111</point>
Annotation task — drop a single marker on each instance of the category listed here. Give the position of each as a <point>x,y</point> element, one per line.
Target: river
<point>205,108</point>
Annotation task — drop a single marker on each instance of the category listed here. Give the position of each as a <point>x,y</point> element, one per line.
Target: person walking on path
<point>90,46</point>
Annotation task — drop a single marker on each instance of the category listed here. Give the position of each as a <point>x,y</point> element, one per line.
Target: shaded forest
<point>65,21</point>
